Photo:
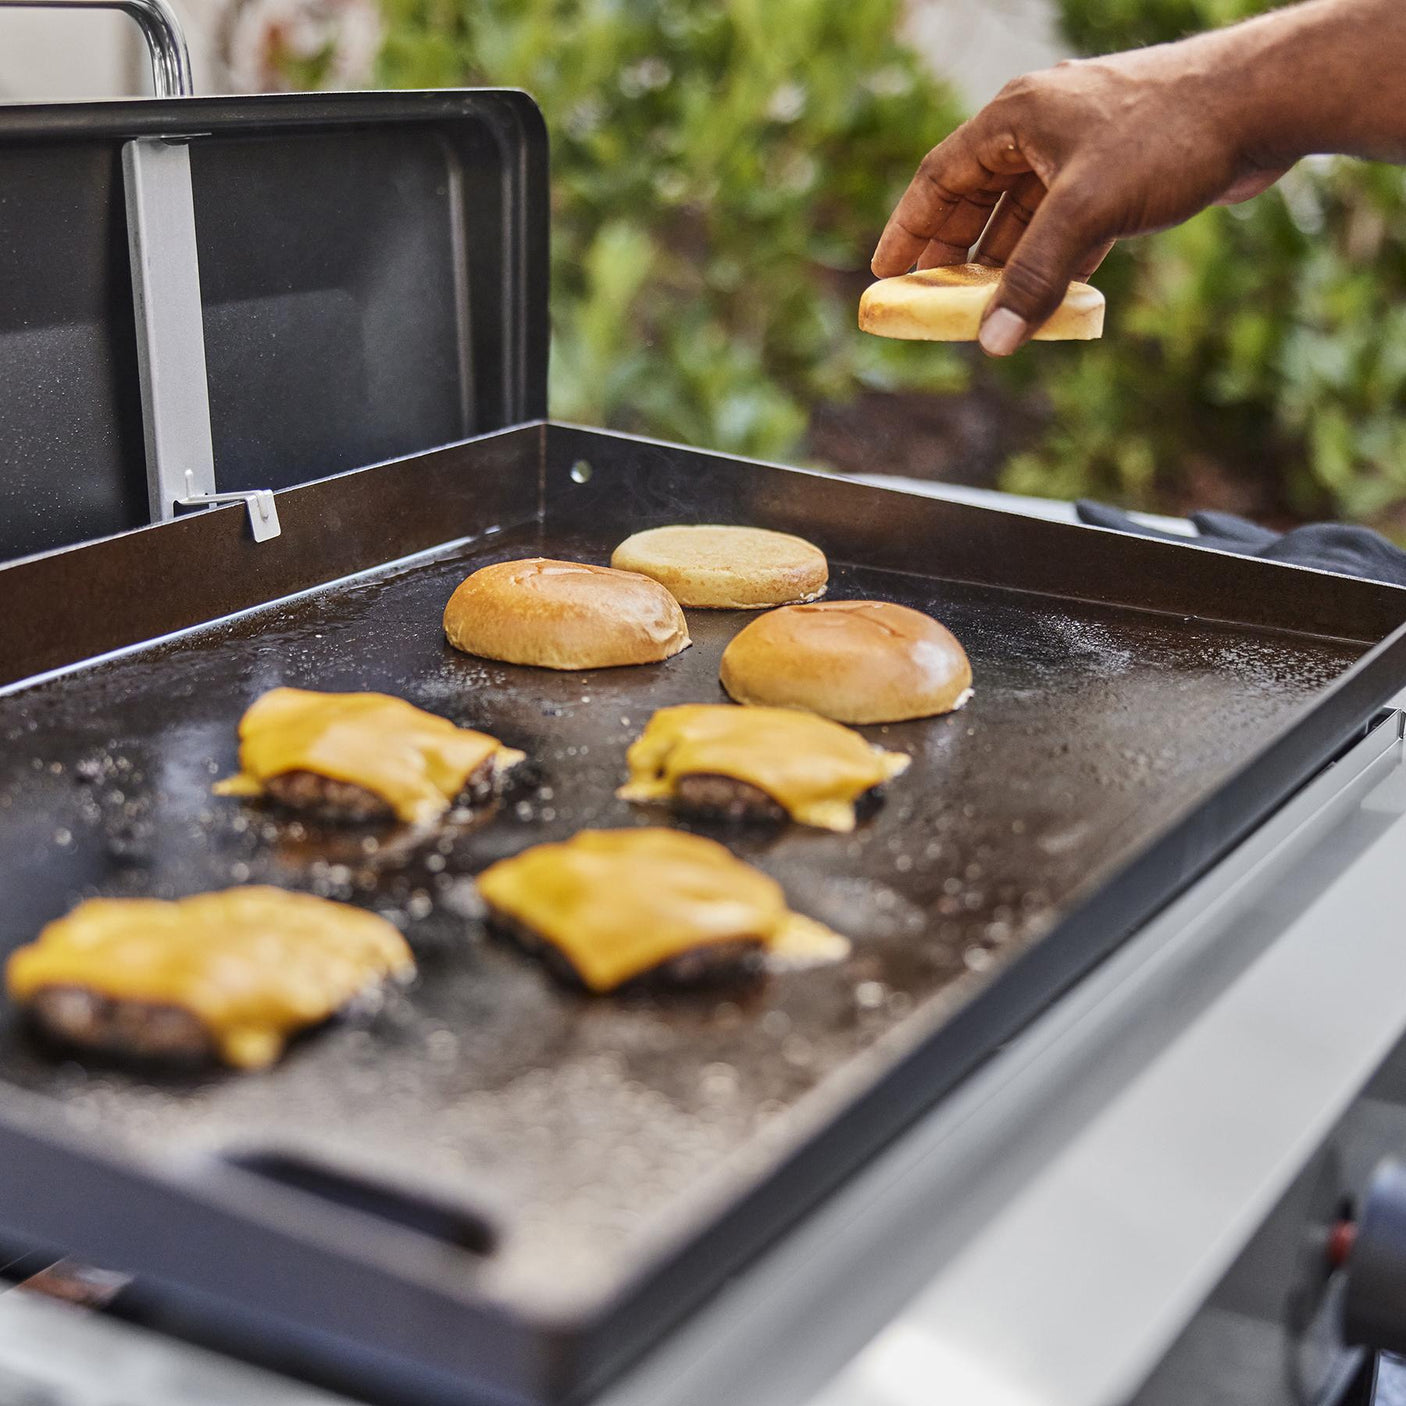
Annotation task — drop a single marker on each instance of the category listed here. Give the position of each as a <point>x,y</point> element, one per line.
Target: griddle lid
<point>373,275</point>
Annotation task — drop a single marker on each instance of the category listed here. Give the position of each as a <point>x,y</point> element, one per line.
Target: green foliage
<point>720,173</point>
<point>1265,341</point>
<point>1105,26</point>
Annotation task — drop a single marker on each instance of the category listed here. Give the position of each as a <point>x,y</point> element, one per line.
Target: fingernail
<point>1002,332</point>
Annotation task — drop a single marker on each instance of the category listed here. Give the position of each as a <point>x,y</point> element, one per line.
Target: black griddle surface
<point>593,1132</point>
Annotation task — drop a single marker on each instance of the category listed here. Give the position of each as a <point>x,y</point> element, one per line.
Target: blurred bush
<point>1254,357</point>
<point>720,173</point>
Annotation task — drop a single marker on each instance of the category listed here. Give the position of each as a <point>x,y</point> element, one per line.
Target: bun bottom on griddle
<point>729,568</point>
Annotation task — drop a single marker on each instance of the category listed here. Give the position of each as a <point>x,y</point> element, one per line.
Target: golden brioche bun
<point>947,305</point>
<point>564,615</point>
<point>738,568</point>
<point>856,661</point>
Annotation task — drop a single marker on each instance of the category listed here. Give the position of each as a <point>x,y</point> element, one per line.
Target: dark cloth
<point>1329,546</point>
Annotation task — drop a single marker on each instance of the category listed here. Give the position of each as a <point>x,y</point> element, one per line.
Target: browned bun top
<point>564,615</point>
<point>947,304</point>
<point>737,568</point>
<point>853,661</point>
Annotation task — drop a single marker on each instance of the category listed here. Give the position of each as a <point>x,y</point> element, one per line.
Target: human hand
<point>1065,161</point>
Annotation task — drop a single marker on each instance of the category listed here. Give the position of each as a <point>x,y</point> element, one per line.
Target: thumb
<point>1059,240</point>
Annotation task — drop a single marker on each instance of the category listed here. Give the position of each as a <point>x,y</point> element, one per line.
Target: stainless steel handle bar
<point>165,39</point>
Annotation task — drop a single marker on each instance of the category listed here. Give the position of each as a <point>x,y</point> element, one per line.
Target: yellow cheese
<point>416,762</point>
<point>813,768</point>
<point>618,903</point>
<point>252,964</point>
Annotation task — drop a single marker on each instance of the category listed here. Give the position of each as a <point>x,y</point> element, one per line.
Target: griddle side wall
<point>82,602</point>
<point>638,483</point>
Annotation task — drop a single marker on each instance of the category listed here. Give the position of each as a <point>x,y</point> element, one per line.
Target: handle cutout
<point>425,1214</point>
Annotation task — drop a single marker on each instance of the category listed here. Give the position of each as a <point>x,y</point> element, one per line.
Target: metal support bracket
<point>170,320</point>
<point>180,455</point>
<point>169,316</point>
<point>263,511</point>
<point>170,324</point>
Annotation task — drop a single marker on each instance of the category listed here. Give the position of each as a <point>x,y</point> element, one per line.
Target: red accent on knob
<point>1341,1239</point>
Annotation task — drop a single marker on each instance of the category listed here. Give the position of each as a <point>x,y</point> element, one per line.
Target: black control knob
<point>1374,1301</point>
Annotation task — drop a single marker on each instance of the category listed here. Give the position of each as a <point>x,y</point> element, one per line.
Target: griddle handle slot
<point>425,1214</point>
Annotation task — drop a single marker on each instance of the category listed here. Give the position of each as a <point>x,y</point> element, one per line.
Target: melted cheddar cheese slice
<point>252,964</point>
<point>618,903</point>
<point>416,762</point>
<point>813,768</point>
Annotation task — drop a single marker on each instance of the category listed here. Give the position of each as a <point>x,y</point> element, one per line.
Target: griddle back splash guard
<point>496,1190</point>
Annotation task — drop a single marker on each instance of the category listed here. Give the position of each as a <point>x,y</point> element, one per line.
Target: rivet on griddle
<point>581,471</point>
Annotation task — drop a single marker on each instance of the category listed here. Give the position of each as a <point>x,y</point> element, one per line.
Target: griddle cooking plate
<point>598,1138</point>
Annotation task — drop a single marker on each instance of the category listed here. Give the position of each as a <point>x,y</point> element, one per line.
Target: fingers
<point>1009,221</point>
<point>917,217</point>
<point>977,195</point>
<point>1012,218</point>
<point>1089,265</point>
<point>960,230</point>
<point>1247,187</point>
<point>1063,237</point>
<point>952,183</point>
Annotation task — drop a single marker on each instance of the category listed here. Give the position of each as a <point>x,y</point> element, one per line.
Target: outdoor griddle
<point>495,1187</point>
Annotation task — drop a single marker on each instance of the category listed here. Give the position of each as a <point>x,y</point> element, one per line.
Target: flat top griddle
<point>591,1132</point>
<point>493,1181</point>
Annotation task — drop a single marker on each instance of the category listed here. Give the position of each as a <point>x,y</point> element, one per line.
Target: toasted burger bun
<point>736,568</point>
<point>564,615</point>
<point>947,304</point>
<point>856,661</point>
